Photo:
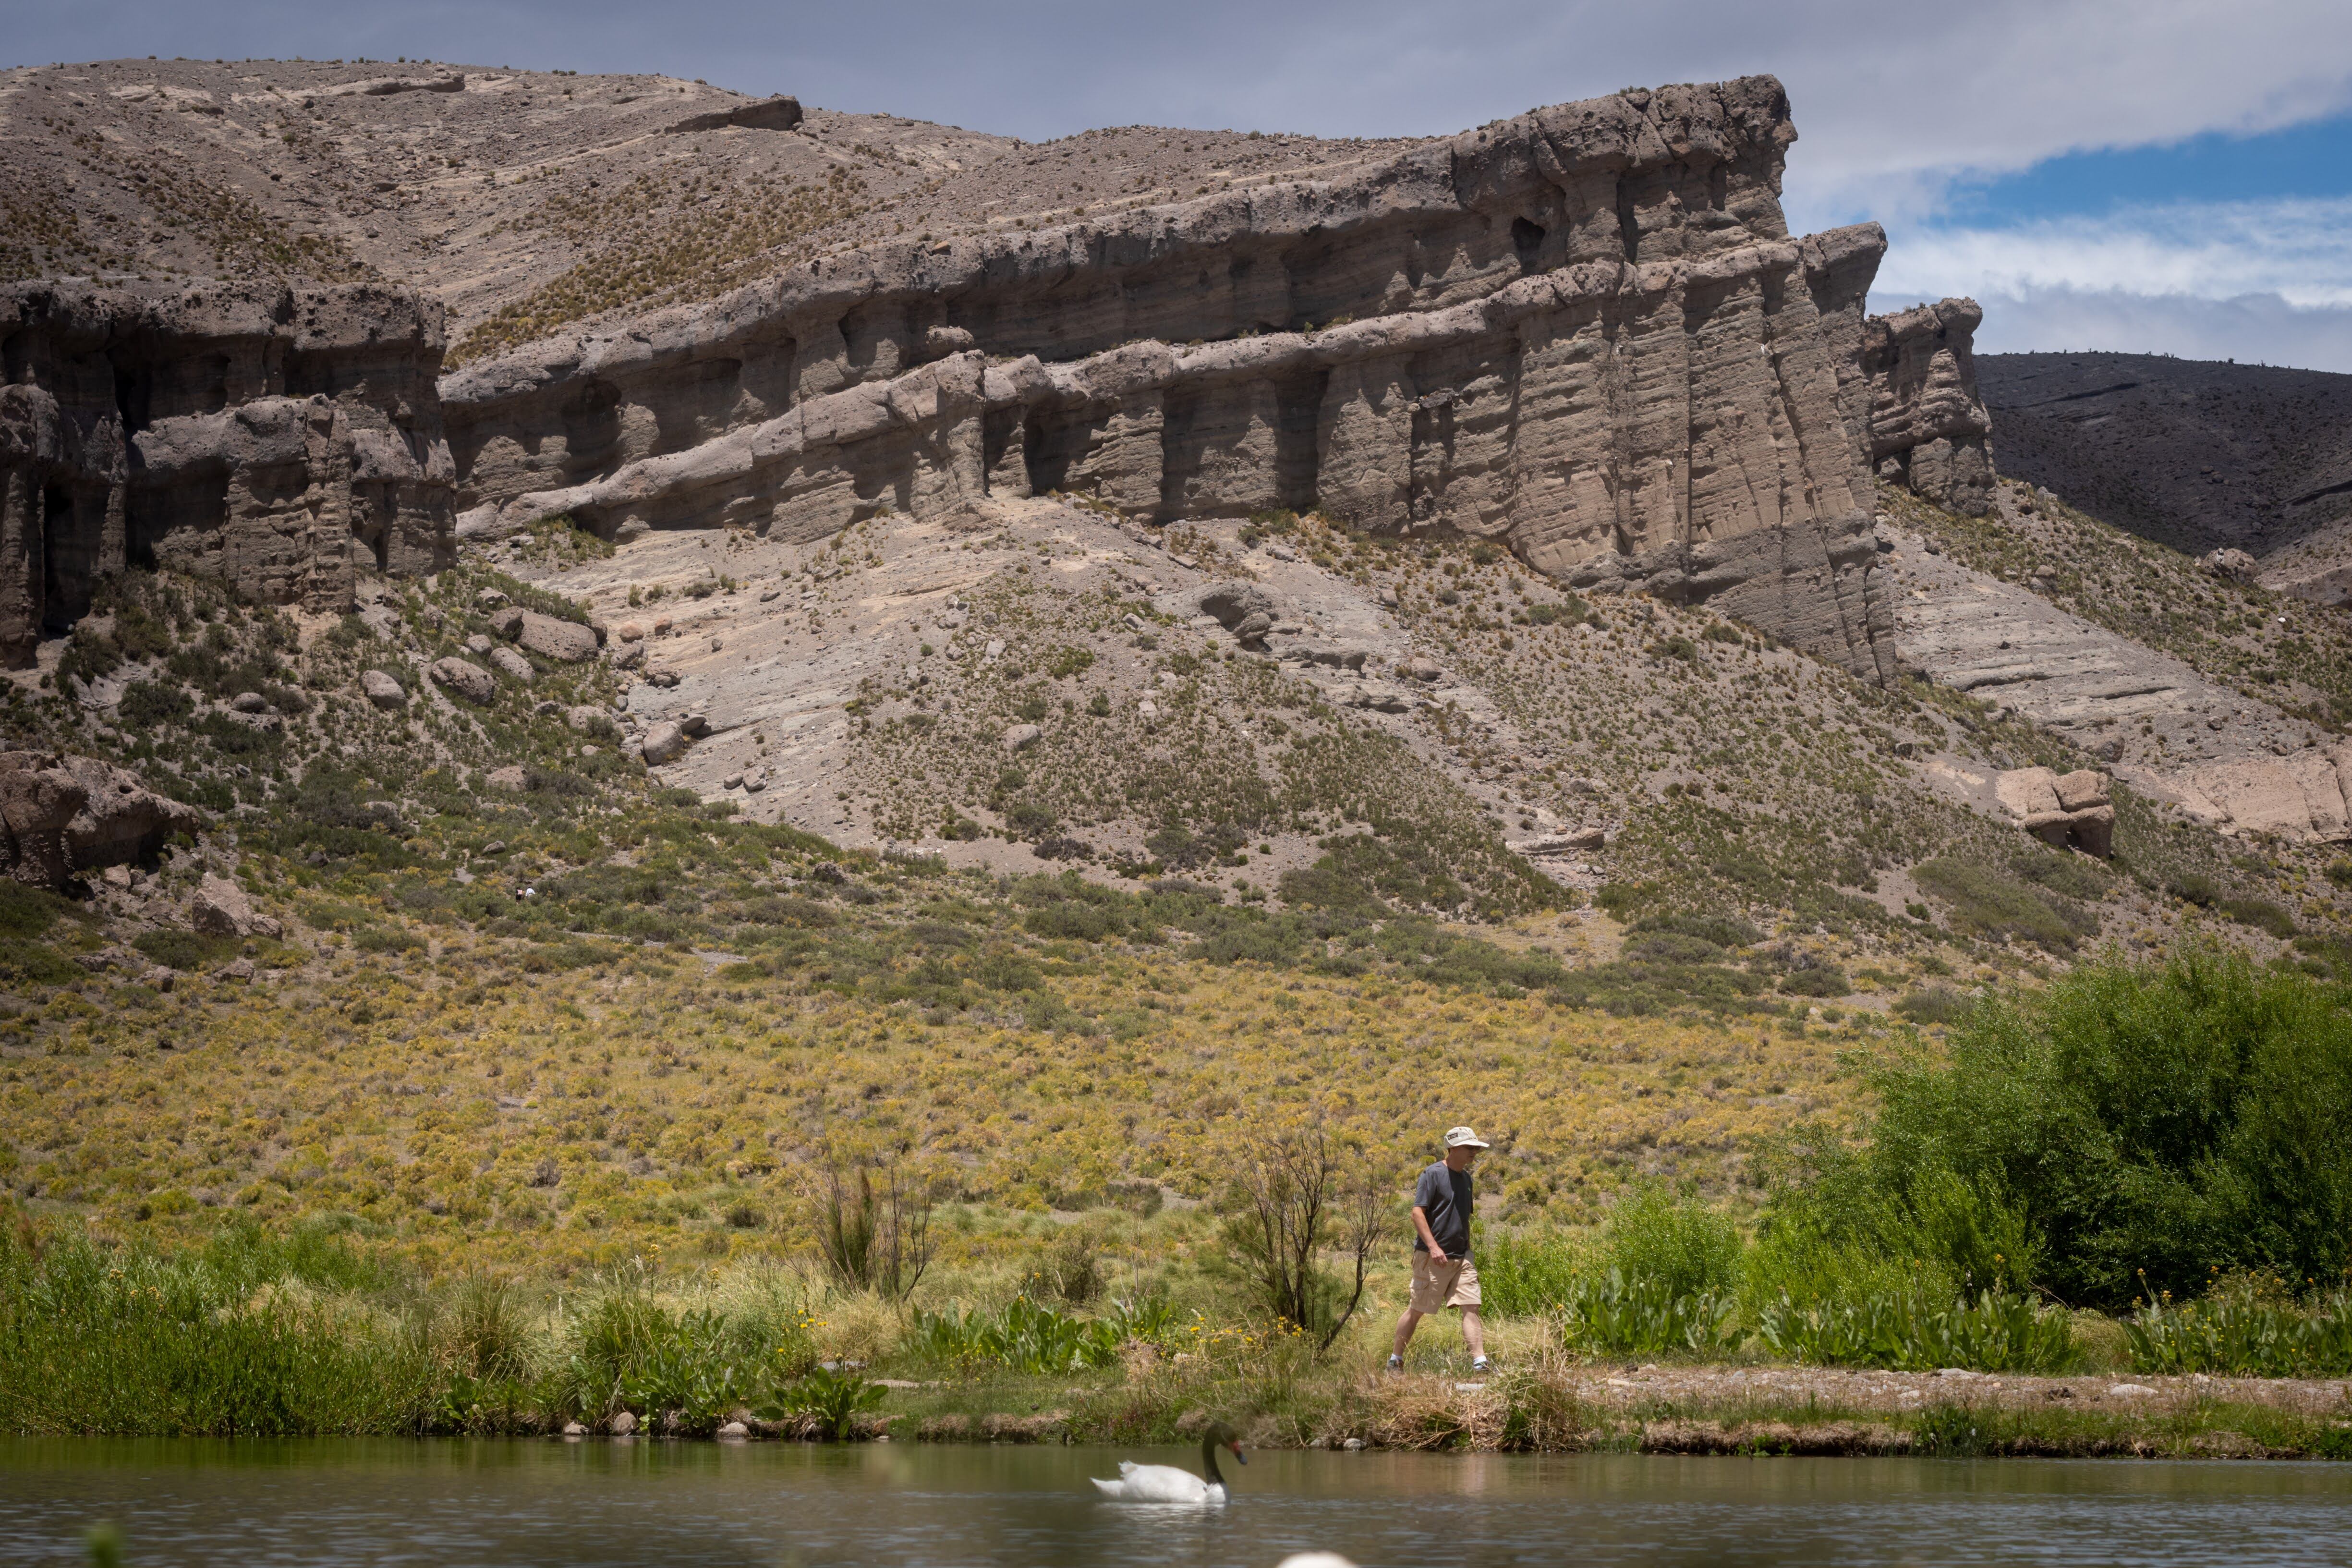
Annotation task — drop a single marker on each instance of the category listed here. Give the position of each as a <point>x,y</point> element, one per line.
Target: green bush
<point>1523,1274</point>
<point>1825,980</point>
<point>2172,1118</point>
<point>1687,1247</point>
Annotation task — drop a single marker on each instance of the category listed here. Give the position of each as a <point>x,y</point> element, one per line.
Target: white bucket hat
<point>1463,1138</point>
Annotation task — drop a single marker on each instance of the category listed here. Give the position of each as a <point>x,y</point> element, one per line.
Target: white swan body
<point>1166,1483</point>
<point>1158,1483</point>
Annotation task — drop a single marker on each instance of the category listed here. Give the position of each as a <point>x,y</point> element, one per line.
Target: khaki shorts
<point>1437,1286</point>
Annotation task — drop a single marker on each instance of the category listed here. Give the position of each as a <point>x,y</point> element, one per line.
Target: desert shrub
<point>1933,1005</point>
<point>2261,914</point>
<point>1718,930</point>
<point>875,1237</point>
<point>26,911</point>
<point>184,948</point>
<point>1821,980</point>
<point>2171,1119</point>
<point>1985,903</point>
<point>2068,875</point>
<point>1295,1195</point>
<point>149,702</point>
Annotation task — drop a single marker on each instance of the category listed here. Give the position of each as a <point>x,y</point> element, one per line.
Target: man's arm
<point>1428,1237</point>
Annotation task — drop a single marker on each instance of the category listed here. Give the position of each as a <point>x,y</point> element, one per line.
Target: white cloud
<point>2299,251</point>
<point>2254,328</point>
<point>2268,281</point>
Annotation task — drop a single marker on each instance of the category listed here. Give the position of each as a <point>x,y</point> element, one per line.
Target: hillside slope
<point>2193,455</point>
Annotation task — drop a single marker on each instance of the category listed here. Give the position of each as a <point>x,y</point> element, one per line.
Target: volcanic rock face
<point>279,439</point>
<point>1584,332</point>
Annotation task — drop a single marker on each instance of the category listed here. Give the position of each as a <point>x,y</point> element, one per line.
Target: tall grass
<point>246,1339</point>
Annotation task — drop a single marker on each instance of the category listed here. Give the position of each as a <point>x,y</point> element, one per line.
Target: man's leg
<point>1473,1332</point>
<point>1406,1326</point>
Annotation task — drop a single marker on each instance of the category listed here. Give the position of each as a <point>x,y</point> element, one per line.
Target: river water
<point>653,1504</point>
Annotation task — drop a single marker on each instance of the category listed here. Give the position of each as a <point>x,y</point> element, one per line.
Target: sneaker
<point>1396,1364</point>
<point>1481,1367</point>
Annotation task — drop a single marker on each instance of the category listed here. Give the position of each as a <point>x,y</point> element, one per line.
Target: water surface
<point>446,1504</point>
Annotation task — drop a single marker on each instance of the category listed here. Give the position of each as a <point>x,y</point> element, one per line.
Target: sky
<point>2164,176</point>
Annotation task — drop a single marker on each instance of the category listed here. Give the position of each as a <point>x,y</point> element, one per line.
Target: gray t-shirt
<point>1444,1197</point>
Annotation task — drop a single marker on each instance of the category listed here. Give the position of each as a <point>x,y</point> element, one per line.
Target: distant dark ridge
<point>2196,455</point>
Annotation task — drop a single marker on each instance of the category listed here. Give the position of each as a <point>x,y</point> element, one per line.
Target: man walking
<point>1443,1274</point>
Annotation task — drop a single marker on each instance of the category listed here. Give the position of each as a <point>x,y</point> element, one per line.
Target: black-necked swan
<point>1166,1483</point>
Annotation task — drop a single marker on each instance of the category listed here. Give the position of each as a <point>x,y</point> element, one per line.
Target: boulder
<point>478,646</point>
<point>222,908</point>
<point>513,666</point>
<point>1253,627</point>
<point>2028,791</point>
<point>629,656</point>
<point>121,820</point>
<point>665,743</point>
<point>1231,604</point>
<point>589,719</point>
<point>2093,828</point>
<point>508,777</point>
<point>62,814</point>
<point>2081,789</point>
<point>1422,667</point>
<point>459,679</point>
<point>631,631</point>
<point>1021,737</point>
<point>624,1423</point>
<point>2231,566</point>
<point>383,690</point>
<point>1575,841</point>
<point>566,642</point>
<point>2064,811</point>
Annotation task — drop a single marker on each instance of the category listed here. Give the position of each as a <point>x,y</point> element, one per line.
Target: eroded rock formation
<point>1584,331</point>
<point>1926,424</point>
<point>60,815</point>
<point>279,439</point>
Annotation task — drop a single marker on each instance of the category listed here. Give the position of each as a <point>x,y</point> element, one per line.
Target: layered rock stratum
<point>1584,332</point>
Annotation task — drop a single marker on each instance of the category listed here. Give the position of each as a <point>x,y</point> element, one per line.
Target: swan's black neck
<point>1209,1461</point>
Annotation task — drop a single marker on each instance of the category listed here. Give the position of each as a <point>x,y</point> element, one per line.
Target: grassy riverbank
<point>306,1332</point>
<point>2109,1218</point>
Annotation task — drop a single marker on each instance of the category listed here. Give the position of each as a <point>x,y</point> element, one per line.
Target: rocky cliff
<point>1584,332</point>
<point>281,439</point>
